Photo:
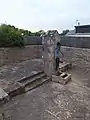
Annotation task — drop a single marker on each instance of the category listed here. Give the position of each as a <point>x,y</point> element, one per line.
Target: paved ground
<point>52,101</point>
<point>12,73</point>
<point>81,74</point>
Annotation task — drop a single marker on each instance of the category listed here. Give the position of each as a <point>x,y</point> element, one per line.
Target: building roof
<point>71,32</point>
<point>83,26</point>
<point>79,35</point>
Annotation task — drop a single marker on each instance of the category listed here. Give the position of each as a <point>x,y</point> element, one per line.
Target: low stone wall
<point>33,40</point>
<point>12,55</point>
<point>79,57</point>
<point>78,42</point>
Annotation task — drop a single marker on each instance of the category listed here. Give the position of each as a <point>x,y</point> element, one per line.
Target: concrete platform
<point>1,117</point>
<point>14,89</point>
<point>3,96</point>
<point>23,85</point>
<point>65,66</point>
<point>63,78</point>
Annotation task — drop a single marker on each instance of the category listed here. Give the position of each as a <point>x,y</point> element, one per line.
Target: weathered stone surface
<point>16,55</point>
<point>3,94</point>
<point>14,89</point>
<point>49,42</point>
<point>80,59</point>
<point>4,97</point>
<point>65,66</point>
<point>76,56</point>
<point>1,117</point>
<point>51,101</point>
<point>61,79</point>
<point>77,41</point>
<point>12,73</point>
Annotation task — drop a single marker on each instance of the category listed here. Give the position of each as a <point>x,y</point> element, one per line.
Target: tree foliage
<point>39,33</point>
<point>10,36</point>
<point>64,32</point>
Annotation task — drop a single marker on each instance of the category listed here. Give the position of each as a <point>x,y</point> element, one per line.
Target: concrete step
<point>36,78</point>
<point>18,88</point>
<point>31,76</point>
<point>23,85</point>
<point>14,89</point>
<point>37,83</point>
<point>65,66</point>
<point>33,81</point>
<point>3,96</point>
<point>64,78</point>
<point>63,74</point>
<point>1,117</point>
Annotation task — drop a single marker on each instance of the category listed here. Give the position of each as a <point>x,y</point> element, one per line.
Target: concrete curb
<point>65,66</point>
<point>30,76</point>
<point>11,92</point>
<point>19,88</point>
<point>4,97</point>
<point>64,78</point>
<point>14,90</point>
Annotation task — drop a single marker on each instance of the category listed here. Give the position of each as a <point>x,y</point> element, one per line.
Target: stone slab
<point>65,66</point>
<point>37,83</point>
<point>3,94</point>
<point>61,79</point>
<point>62,74</point>
<point>1,117</point>
<point>31,75</point>
<point>49,42</point>
<point>14,72</point>
<point>14,89</point>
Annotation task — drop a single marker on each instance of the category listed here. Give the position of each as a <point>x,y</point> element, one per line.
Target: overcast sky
<point>44,14</point>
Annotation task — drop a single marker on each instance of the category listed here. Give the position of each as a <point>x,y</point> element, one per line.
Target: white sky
<point>44,14</point>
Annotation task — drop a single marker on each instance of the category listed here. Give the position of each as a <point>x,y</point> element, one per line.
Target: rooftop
<point>83,25</point>
<point>79,35</point>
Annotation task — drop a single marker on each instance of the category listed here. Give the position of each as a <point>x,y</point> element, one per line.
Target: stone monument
<point>49,42</point>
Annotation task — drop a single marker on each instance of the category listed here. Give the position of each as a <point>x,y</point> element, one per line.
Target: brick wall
<point>11,55</point>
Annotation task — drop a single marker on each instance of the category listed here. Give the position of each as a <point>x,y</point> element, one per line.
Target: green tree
<point>10,36</point>
<point>39,33</point>
<point>64,32</point>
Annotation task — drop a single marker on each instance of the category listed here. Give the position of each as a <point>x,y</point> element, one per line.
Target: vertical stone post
<point>49,41</point>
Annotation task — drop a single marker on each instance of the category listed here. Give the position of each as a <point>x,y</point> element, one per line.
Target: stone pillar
<point>49,41</point>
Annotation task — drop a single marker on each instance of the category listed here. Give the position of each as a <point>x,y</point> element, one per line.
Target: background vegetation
<point>10,36</point>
